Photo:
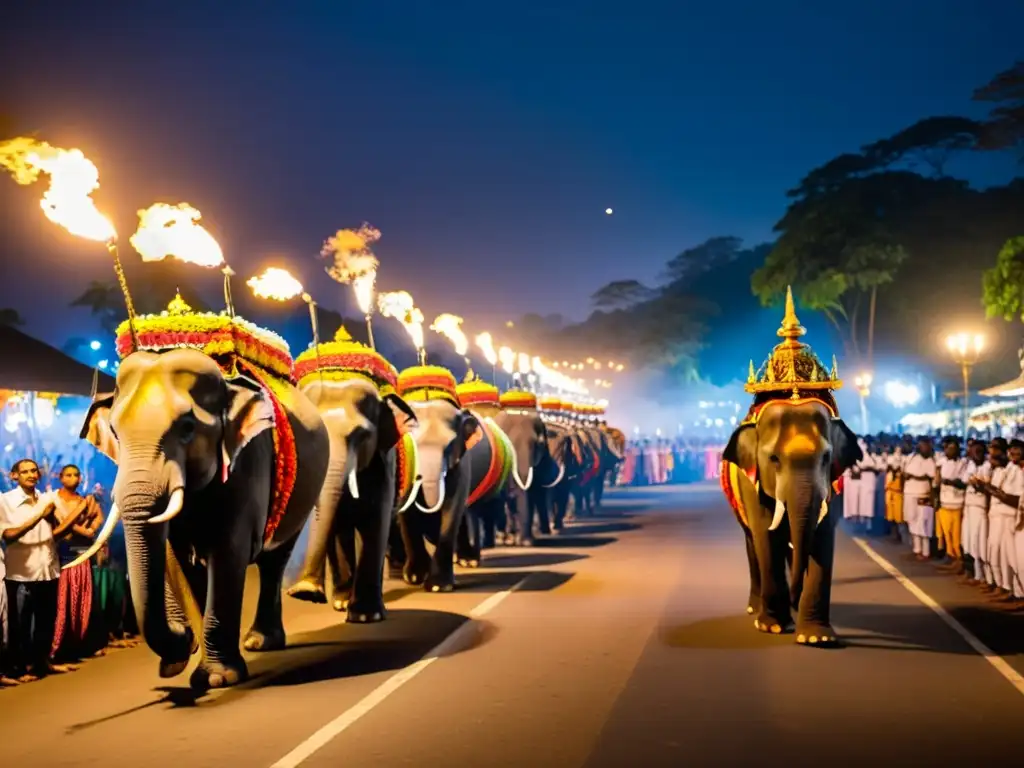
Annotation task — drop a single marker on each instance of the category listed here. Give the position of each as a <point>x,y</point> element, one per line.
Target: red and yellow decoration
<point>344,358</point>
<point>217,335</point>
<point>549,403</point>
<point>502,455</point>
<point>428,382</point>
<point>473,391</point>
<point>518,399</point>
<point>405,470</point>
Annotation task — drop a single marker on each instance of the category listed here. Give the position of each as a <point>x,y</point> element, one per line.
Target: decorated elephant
<point>219,462</point>
<point>566,450</point>
<point>780,469</point>
<point>352,386</point>
<point>435,505</point>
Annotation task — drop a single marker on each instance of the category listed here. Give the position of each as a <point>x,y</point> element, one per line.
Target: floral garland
<point>214,335</point>
<point>341,366</point>
<point>285,454</point>
<point>405,469</point>
<point>477,392</point>
<point>428,382</point>
<point>517,398</point>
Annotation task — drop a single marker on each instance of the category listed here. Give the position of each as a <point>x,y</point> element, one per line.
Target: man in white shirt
<point>952,493</point>
<point>1004,490</point>
<point>975,527</point>
<point>918,504</point>
<point>29,529</point>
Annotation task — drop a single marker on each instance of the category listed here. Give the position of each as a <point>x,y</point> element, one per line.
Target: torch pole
<point>422,355</point>
<point>316,331</point>
<point>228,303</point>
<point>123,282</point>
<point>369,331</point>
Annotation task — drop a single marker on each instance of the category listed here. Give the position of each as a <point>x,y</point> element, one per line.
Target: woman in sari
<point>74,596</point>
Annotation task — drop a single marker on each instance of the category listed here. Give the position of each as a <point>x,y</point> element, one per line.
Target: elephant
<point>780,466</point>
<point>358,496</point>
<point>608,458</point>
<point>198,491</point>
<point>591,465</point>
<point>443,435</point>
<point>566,451</point>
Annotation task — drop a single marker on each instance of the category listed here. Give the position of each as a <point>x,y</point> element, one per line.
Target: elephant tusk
<point>529,478</point>
<point>440,500</point>
<point>561,474</point>
<point>824,511</point>
<point>101,538</point>
<point>353,484</point>
<point>413,492</point>
<point>780,511</point>
<point>174,505</point>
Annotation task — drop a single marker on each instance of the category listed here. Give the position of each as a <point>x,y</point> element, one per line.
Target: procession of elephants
<point>221,464</point>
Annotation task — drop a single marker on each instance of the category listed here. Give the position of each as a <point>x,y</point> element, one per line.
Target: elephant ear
<point>249,412</point>
<point>394,419</point>
<point>466,427</point>
<point>97,430</point>
<point>742,448</point>
<point>845,450</point>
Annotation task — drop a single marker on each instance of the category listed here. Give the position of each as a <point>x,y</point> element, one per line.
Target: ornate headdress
<point>550,404</point>
<point>519,399</point>
<point>792,366</point>
<point>221,336</point>
<point>428,382</point>
<point>344,358</point>
<point>474,391</point>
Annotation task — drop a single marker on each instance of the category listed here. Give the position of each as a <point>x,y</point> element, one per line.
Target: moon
<point>609,211</point>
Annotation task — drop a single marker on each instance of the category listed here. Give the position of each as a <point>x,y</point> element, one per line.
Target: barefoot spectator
<point>30,528</point>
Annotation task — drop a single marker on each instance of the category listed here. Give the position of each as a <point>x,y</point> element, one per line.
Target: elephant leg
<point>524,519</point>
<point>373,523</point>
<point>417,559</point>
<point>599,491</point>
<point>442,570</point>
<point>341,555</point>
<point>774,614</point>
<point>754,600</point>
<point>489,525</point>
<point>538,499</point>
<point>466,535</point>
<point>396,548</point>
<point>267,630</point>
<point>223,664</point>
<point>559,500</point>
<point>814,620</point>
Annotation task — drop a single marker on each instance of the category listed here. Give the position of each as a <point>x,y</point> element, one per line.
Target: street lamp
<point>863,384</point>
<point>966,349</point>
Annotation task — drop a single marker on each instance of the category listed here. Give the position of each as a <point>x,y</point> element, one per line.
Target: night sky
<point>485,140</point>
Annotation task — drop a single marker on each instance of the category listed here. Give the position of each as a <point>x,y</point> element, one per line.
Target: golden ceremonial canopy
<point>792,365</point>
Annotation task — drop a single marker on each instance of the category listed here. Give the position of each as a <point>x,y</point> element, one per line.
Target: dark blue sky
<point>484,139</point>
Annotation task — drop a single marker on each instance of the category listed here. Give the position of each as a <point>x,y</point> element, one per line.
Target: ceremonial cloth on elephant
<point>502,457</point>
<point>405,469</point>
<point>285,460</point>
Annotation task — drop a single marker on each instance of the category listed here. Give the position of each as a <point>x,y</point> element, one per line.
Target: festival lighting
<point>353,263</point>
<point>966,349</point>
<point>279,285</point>
<point>400,306</point>
<point>94,346</point>
<point>901,395</point>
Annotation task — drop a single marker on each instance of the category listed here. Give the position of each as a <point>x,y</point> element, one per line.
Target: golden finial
<point>834,373</point>
<point>469,377</point>
<point>790,330</point>
<point>178,306</point>
<point>342,334</point>
<point>751,374</point>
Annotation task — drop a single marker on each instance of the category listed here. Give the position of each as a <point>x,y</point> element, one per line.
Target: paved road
<point>622,643</point>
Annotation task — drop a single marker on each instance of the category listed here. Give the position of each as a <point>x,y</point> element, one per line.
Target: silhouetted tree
<point>930,142</point>
<point>1004,128</point>
<point>11,317</point>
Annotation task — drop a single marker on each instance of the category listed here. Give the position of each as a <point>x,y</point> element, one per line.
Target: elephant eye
<point>188,429</point>
<point>774,459</point>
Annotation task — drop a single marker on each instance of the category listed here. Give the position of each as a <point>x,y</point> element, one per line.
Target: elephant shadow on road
<point>569,541</point>
<point>529,559</point>
<point>588,526</point>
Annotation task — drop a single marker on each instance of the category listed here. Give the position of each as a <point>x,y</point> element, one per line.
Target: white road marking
<point>998,662</point>
<point>342,722</point>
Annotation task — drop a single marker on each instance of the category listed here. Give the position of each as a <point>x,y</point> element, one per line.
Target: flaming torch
<point>174,230</point>
<point>399,305</point>
<point>507,358</point>
<point>486,345</point>
<point>279,285</point>
<point>450,326</point>
<point>352,262</point>
<point>67,202</point>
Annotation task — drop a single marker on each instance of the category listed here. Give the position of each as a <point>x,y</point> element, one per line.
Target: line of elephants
<point>380,473</point>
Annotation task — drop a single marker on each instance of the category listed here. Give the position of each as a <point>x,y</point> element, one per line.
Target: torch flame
<point>449,326</point>
<point>276,284</point>
<point>524,363</point>
<point>508,359</point>
<point>174,230</point>
<point>399,305</point>
<point>73,178</point>
<point>353,262</point>
<point>486,346</point>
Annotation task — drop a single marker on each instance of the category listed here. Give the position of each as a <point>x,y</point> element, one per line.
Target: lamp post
<point>863,384</point>
<point>966,349</point>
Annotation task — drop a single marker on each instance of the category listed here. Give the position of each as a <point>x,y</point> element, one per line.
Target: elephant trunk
<point>803,507</point>
<point>340,470</point>
<point>432,470</point>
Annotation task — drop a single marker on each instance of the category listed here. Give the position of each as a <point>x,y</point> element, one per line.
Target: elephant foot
<point>172,668</point>
<point>524,541</point>
<point>211,674</point>
<point>765,622</point>
<point>174,665</point>
<point>307,590</point>
<point>272,640</point>
<point>811,633</point>
<point>438,583</point>
<point>415,572</point>
<point>365,611</point>
<point>469,562</point>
